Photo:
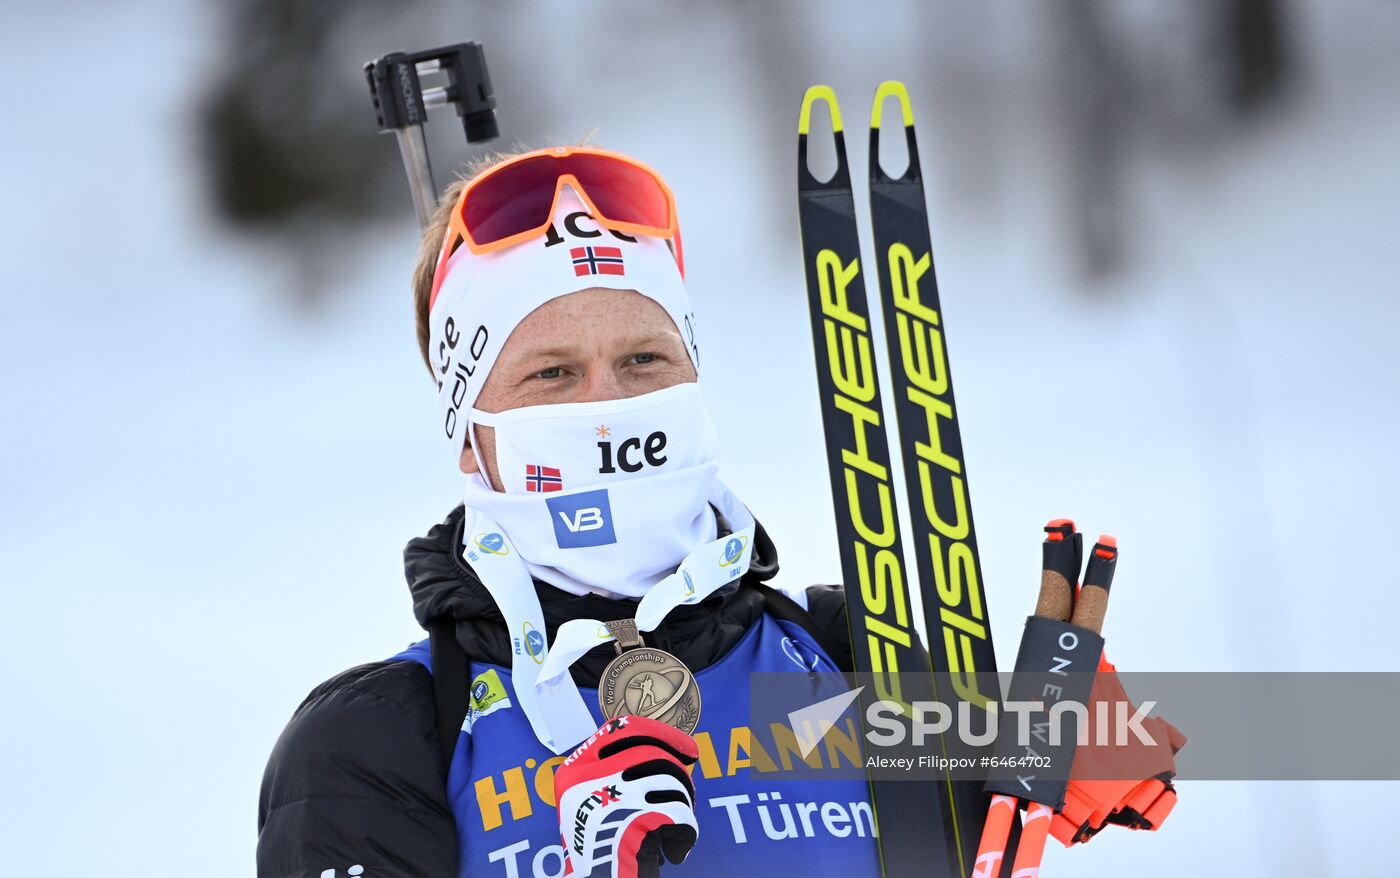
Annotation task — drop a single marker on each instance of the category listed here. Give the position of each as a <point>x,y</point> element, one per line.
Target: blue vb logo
<point>582,520</point>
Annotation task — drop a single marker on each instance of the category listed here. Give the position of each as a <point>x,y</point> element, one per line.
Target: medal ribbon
<point>496,562</point>
<point>540,671</point>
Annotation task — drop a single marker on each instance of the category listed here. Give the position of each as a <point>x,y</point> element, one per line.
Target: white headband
<point>484,297</point>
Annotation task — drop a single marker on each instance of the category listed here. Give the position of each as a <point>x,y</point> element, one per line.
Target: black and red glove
<point>1127,781</point>
<point>625,799</point>
<point>1130,783</point>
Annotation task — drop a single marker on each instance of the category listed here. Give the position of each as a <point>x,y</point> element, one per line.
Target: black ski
<point>947,574</point>
<point>930,444</point>
<point>879,609</point>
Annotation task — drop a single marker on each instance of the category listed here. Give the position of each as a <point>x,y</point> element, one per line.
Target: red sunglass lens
<point>516,198</point>
<point>511,199</point>
<point>621,191</point>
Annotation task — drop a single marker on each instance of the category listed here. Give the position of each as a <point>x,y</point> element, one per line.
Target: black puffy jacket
<point>357,779</point>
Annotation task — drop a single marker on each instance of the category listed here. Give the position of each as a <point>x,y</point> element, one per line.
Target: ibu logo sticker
<point>582,520</point>
<point>487,544</point>
<point>534,642</point>
<point>492,544</point>
<point>733,551</point>
<point>488,695</point>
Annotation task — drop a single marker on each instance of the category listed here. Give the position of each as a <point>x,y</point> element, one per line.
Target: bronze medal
<point>645,681</point>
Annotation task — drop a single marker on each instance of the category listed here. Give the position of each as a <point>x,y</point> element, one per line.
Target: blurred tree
<point>287,134</point>
<point>1095,75</point>
<point>284,126</point>
<point>1263,63</point>
<point>1176,77</point>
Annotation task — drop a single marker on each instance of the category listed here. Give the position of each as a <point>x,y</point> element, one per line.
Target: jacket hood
<point>444,585</point>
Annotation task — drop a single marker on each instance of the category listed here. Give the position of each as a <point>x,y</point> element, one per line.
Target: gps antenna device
<point>401,105</point>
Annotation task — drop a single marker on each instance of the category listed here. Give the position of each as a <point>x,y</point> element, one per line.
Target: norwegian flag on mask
<point>596,260</point>
<point>543,478</point>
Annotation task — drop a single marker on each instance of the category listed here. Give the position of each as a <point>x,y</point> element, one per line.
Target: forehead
<point>587,318</point>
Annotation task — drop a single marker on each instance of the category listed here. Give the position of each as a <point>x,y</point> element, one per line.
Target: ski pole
<point>1035,829</point>
<point>1001,814</point>
<point>401,105</point>
<point>1091,602</point>
<point>1059,574</point>
<point>1090,606</point>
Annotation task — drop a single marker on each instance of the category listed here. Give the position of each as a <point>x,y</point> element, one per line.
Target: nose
<point>602,382</point>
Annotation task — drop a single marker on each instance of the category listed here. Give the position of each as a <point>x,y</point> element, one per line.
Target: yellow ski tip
<point>891,88</point>
<point>814,94</point>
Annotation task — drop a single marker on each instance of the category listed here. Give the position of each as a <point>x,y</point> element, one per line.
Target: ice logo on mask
<point>582,520</point>
<point>689,585</point>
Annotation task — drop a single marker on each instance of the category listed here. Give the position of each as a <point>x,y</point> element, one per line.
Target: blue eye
<point>551,372</point>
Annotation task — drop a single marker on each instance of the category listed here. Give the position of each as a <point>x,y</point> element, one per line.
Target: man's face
<point>587,346</point>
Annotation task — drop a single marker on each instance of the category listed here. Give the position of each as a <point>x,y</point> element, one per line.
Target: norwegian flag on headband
<point>596,260</point>
<point>543,478</point>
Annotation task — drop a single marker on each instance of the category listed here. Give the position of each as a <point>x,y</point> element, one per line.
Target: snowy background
<point>216,435</point>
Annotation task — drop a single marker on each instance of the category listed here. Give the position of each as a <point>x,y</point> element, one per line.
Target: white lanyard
<point>539,670</point>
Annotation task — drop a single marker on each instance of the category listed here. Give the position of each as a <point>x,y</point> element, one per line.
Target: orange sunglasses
<point>515,201</point>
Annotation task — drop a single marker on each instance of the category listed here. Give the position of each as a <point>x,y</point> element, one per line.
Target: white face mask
<point>603,496</point>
